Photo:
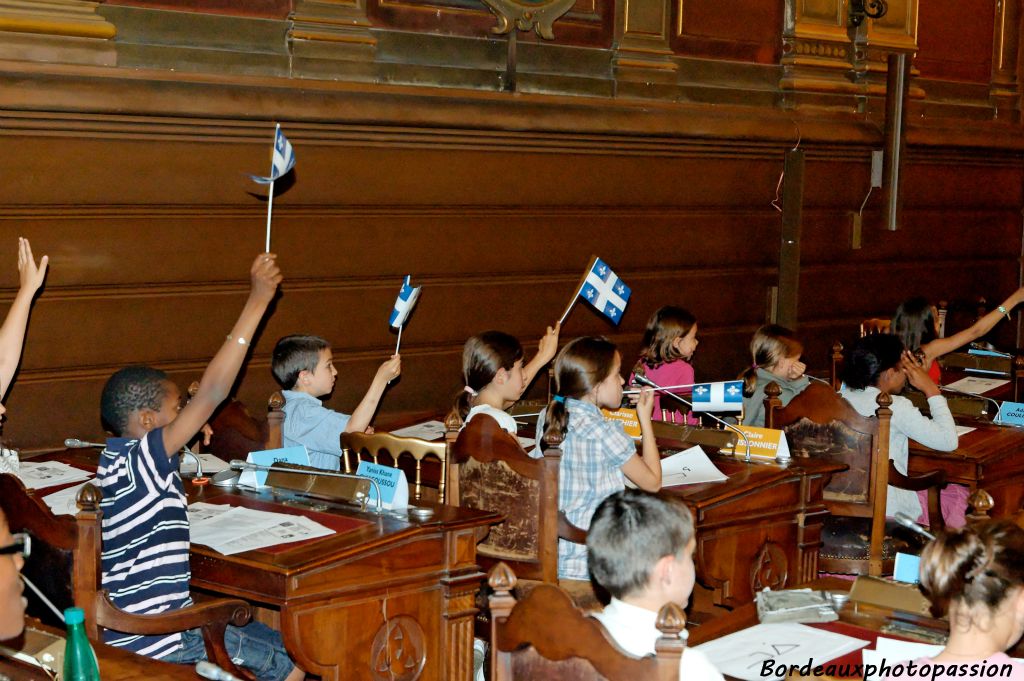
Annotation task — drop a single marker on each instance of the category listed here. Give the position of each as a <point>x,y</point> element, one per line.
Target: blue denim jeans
<point>255,646</point>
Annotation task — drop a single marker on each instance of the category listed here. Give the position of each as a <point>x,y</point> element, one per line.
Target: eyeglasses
<point>22,544</point>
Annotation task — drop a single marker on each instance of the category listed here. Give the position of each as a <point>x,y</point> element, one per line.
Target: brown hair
<point>770,344</point>
<point>579,367</point>
<point>664,326</point>
<point>979,563</point>
<point>483,356</point>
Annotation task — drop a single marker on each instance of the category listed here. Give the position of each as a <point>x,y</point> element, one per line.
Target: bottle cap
<point>74,616</point>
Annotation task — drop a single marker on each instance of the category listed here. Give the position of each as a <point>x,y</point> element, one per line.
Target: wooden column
<point>66,31</point>
<point>642,49</point>
<point>1004,90</point>
<point>789,251</point>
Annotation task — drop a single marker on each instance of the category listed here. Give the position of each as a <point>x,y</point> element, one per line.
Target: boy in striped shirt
<point>145,522</point>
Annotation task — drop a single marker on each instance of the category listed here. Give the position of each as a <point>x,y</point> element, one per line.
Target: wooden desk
<point>385,599</point>
<point>987,458</point>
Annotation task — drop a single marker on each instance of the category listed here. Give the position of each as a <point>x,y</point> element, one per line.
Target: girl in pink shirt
<point>669,343</point>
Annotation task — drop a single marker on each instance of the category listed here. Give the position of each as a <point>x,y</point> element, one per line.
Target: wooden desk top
<point>987,443</point>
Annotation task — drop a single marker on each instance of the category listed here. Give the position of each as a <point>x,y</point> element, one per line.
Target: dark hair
<point>579,367</point>
<point>869,357</point>
<point>631,531</point>
<point>770,344</point>
<point>295,354</point>
<point>914,323</point>
<point>664,326</point>
<point>978,563</point>
<point>127,391</point>
<point>482,357</point>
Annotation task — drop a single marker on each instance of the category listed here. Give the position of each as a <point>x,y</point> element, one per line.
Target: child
<point>879,363</point>
<point>597,455</point>
<point>304,366</point>
<point>669,343</point>
<point>776,354</point>
<point>640,547</point>
<point>494,376</point>
<point>916,322</point>
<point>12,603</point>
<point>145,523</point>
<point>977,575</point>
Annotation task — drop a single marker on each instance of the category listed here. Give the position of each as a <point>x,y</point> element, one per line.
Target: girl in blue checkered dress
<point>597,455</point>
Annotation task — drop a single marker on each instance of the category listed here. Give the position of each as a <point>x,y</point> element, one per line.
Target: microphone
<point>995,417</point>
<point>209,670</point>
<point>908,522</point>
<point>75,443</point>
<point>640,378</point>
<point>240,465</point>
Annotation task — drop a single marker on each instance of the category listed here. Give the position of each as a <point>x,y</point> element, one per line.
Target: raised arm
<point>644,469</point>
<point>363,413</point>
<point>546,350</point>
<point>223,368</point>
<point>942,346</point>
<point>12,333</point>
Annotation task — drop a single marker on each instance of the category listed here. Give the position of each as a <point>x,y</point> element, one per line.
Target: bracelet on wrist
<point>1005,312</point>
<point>240,340</point>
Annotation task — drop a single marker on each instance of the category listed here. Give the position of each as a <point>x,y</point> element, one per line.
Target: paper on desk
<point>689,467</point>
<point>64,502</point>
<point>211,464</point>
<point>963,430</point>
<point>977,384</point>
<point>234,529</point>
<point>892,652</point>
<point>50,474</point>
<point>428,430</point>
<point>744,653</point>
<point>526,443</point>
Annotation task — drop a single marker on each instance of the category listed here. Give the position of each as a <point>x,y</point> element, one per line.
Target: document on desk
<point>754,654</point>
<point>64,502</point>
<point>689,467</point>
<point>977,384</point>
<point>50,474</point>
<point>963,430</point>
<point>891,652</point>
<point>428,430</point>
<point>211,464</point>
<point>234,529</point>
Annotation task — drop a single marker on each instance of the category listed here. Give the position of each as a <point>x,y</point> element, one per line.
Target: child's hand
<point>796,370</point>
<point>917,376</point>
<point>265,276</point>
<point>548,347</point>
<point>207,432</point>
<point>645,404</point>
<point>30,274</point>
<point>390,370</point>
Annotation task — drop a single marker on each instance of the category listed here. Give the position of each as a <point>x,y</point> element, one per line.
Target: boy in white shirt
<point>640,548</point>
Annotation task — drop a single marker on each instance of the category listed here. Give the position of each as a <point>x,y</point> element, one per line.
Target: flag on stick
<point>603,289</point>
<point>407,297</point>
<point>282,160</point>
<point>721,396</point>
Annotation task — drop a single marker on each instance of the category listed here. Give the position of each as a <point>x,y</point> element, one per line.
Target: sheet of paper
<point>234,529</point>
<point>689,467</point>
<point>526,443</point>
<point>892,652</point>
<point>297,528</point>
<point>64,502</point>
<point>753,654</point>
<point>49,474</point>
<point>211,464</point>
<point>963,430</point>
<point>428,430</point>
<point>977,384</point>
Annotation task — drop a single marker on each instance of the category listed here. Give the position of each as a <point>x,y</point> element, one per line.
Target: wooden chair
<point>857,539</point>
<point>236,432</point>
<point>874,325</point>
<point>65,565</point>
<point>387,449</point>
<point>544,636</point>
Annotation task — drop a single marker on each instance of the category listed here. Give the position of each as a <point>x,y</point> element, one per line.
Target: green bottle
<point>79,658</point>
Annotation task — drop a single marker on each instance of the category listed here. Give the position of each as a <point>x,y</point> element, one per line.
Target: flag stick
<point>579,287</point>
<point>270,207</point>
<point>399,339</point>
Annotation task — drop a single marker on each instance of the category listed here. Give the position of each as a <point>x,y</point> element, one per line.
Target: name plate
<point>628,419</point>
<point>394,488</point>
<point>764,442</point>
<point>1011,413</point>
<point>269,457</point>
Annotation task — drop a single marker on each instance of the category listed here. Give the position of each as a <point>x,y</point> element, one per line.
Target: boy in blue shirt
<point>304,366</point>
<point>145,522</point>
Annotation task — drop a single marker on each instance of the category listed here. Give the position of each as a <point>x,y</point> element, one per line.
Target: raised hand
<point>265,276</point>
<point>548,346</point>
<point>30,274</point>
<point>390,370</point>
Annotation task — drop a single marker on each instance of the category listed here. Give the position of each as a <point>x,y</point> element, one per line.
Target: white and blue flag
<point>722,396</point>
<point>603,289</point>
<point>407,298</point>
<point>283,159</point>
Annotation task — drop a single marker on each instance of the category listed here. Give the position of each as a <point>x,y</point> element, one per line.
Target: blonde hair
<point>770,345</point>
<point>664,326</point>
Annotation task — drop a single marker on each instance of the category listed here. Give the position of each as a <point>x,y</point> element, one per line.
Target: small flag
<point>722,396</point>
<point>283,159</point>
<point>603,289</point>
<point>407,298</point>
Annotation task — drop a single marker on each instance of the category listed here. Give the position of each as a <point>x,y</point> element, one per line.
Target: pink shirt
<point>679,372</point>
<point>998,666</point>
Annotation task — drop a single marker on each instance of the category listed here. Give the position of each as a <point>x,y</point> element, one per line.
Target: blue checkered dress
<point>593,453</point>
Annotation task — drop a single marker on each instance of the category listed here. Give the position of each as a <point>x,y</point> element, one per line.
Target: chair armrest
<point>226,610</point>
<point>917,482</point>
<point>569,532</point>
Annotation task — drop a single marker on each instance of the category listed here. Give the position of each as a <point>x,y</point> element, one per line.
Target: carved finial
<point>884,400</point>
<point>553,440</point>
<point>501,578</point>
<point>837,349</point>
<point>671,619</point>
<point>772,390</point>
<point>453,422</point>
<point>276,401</point>
<point>193,388</point>
<point>89,498</point>
<point>980,503</point>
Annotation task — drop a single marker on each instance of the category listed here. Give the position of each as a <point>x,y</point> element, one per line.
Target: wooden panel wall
<point>955,40</point>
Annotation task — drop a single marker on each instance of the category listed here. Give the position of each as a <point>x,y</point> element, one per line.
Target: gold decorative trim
<point>74,18</point>
<point>539,16</point>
